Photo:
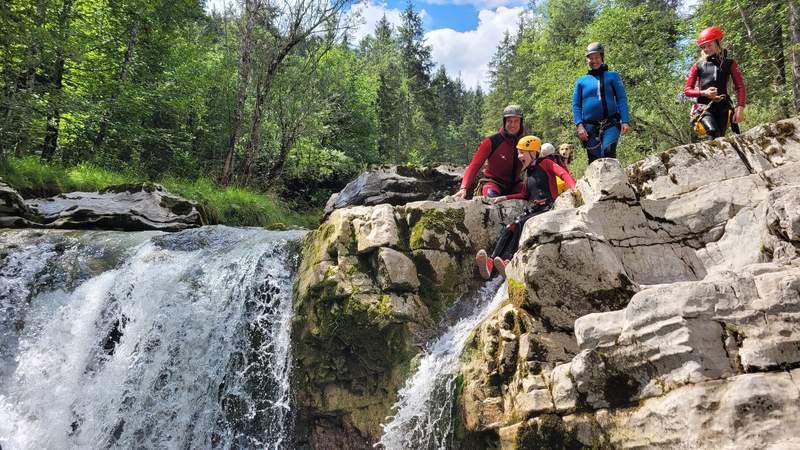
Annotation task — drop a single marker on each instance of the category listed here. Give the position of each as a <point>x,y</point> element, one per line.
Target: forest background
<point>263,110</point>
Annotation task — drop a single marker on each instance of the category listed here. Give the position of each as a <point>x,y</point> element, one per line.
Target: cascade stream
<point>423,417</point>
<point>146,340</point>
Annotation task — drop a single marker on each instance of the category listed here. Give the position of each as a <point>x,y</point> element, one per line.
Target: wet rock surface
<point>374,280</point>
<point>134,207</point>
<point>397,185</point>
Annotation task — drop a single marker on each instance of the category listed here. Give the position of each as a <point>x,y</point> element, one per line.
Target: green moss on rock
<point>440,222</point>
<point>517,293</point>
<point>546,432</point>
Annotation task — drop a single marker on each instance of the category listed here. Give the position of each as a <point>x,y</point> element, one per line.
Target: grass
<point>223,205</point>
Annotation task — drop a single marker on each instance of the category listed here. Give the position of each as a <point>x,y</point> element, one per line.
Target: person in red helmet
<point>708,82</point>
<point>499,152</point>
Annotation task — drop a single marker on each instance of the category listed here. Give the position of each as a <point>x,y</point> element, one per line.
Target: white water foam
<point>423,418</point>
<point>185,345</point>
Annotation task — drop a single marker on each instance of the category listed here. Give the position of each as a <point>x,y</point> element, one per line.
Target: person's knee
<point>491,192</point>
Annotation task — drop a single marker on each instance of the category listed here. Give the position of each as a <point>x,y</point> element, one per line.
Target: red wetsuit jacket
<point>502,165</point>
<point>541,183</point>
<point>714,72</point>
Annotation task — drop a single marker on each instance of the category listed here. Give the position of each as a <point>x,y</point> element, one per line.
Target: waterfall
<point>146,340</point>
<point>423,418</point>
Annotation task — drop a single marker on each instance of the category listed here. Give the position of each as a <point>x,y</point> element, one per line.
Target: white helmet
<point>547,150</point>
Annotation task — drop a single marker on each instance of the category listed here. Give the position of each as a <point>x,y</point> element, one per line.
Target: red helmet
<point>708,35</point>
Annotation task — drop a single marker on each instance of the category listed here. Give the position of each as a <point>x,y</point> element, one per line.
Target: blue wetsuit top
<point>587,105</point>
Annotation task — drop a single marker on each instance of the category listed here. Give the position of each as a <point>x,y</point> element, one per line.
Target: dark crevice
<point>742,156</point>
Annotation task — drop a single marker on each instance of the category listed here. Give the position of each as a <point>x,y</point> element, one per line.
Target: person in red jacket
<point>708,82</point>
<point>540,187</point>
<point>501,176</point>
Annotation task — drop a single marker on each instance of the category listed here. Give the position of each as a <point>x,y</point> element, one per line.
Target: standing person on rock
<point>708,82</point>
<point>542,166</point>
<point>599,106</point>
<point>501,176</point>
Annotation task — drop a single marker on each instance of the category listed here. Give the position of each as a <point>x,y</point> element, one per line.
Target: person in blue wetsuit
<point>599,106</point>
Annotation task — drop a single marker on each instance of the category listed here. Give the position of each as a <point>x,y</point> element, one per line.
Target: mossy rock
<point>517,293</point>
<point>442,225</point>
<point>546,432</point>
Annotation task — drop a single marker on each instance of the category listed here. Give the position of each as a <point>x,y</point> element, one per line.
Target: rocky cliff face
<point>679,279</point>
<point>372,282</point>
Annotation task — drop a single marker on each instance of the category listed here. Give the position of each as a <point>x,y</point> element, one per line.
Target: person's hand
<point>625,128</point>
<point>496,200</point>
<point>738,114</point>
<point>462,193</point>
<point>582,134</point>
<point>710,92</point>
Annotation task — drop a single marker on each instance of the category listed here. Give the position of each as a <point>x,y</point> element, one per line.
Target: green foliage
<point>652,47</point>
<point>33,178</point>
<point>229,206</point>
<point>148,88</point>
<point>240,207</point>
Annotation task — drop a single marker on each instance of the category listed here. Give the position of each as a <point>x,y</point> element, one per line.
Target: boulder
<point>397,271</point>
<point>13,210</point>
<point>397,185</point>
<point>144,206</point>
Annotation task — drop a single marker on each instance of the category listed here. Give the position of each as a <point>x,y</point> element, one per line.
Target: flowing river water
<point>146,340</point>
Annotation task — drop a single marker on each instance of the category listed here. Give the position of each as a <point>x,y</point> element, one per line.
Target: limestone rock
<point>11,203</point>
<point>683,169</point>
<point>375,229</point>
<point>144,206</point>
<point>746,411</point>
<point>372,280</point>
<point>397,271</point>
<point>680,280</point>
<point>605,180</point>
<point>528,404</point>
<point>565,396</point>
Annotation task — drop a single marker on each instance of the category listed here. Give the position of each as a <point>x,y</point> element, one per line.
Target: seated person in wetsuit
<point>541,167</point>
<point>498,151</point>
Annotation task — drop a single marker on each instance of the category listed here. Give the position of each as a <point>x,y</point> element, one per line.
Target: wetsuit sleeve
<point>477,162</point>
<point>622,99</point>
<point>738,83</point>
<point>689,88</point>
<point>560,172</point>
<point>519,195</point>
<point>577,115</point>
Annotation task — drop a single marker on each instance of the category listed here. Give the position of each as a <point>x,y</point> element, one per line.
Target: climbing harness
<point>598,128</point>
<point>699,111</point>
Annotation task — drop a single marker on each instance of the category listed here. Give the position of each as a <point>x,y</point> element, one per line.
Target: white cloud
<point>468,53</point>
<point>366,15</point>
<point>221,5</point>
<point>479,4</point>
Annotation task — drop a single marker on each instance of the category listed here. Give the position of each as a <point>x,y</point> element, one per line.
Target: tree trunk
<point>241,97</point>
<point>287,142</point>
<point>254,143</point>
<point>54,114</point>
<point>794,39</point>
<point>124,72</point>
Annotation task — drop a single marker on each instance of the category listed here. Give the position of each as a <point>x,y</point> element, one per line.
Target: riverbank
<point>223,205</point>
